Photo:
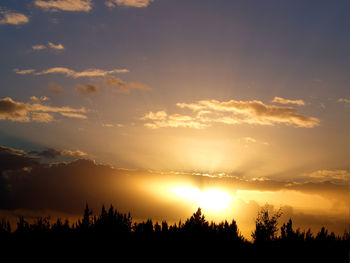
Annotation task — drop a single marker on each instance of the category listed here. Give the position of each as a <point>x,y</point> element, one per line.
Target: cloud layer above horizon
<point>65,187</point>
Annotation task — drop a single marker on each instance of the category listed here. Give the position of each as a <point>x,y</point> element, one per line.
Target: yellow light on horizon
<point>212,200</point>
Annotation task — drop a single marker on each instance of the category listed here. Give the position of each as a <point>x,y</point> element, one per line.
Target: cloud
<point>38,47</point>
<point>344,100</point>
<point>74,115</point>
<point>124,87</point>
<point>283,101</point>
<point>54,88</point>
<point>53,153</point>
<point>330,175</point>
<point>24,71</point>
<point>128,3</point>
<point>64,5</point>
<point>87,89</point>
<point>41,99</point>
<point>12,18</point>
<point>161,119</point>
<point>71,73</point>
<point>37,112</point>
<point>56,46</point>
<point>67,186</point>
<point>238,112</point>
<point>13,159</point>
<point>49,45</point>
<point>110,125</point>
<point>42,117</point>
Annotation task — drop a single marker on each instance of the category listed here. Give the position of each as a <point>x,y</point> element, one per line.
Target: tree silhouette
<point>266,226</point>
<point>195,232</point>
<point>196,223</point>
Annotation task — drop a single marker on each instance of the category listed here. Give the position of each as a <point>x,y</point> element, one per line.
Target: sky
<point>156,101</point>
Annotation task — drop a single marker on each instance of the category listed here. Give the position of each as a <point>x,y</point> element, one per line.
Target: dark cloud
<point>65,188</point>
<point>120,86</point>
<point>87,89</point>
<point>51,153</point>
<point>38,112</point>
<point>54,88</point>
<point>12,159</point>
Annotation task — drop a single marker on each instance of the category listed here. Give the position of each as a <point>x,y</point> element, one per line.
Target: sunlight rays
<point>212,200</point>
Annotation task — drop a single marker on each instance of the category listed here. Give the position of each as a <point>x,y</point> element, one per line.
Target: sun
<point>214,200</point>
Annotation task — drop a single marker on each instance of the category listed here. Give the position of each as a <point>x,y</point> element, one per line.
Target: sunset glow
<point>163,106</point>
<point>212,200</point>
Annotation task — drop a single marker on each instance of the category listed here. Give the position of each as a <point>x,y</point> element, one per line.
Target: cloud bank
<point>65,187</point>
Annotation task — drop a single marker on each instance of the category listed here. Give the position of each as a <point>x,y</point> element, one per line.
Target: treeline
<point>112,221</point>
<point>267,237</point>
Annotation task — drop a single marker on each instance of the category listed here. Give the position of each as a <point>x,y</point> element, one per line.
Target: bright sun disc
<point>213,200</point>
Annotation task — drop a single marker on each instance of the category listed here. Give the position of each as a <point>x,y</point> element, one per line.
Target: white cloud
<point>72,73</point>
<point>128,3</point>
<point>64,5</point>
<point>13,18</point>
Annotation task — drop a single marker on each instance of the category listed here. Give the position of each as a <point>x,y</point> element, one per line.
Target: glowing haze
<point>161,106</point>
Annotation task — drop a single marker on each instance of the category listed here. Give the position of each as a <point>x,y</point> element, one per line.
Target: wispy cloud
<point>71,73</point>
<point>73,115</point>
<point>128,3</point>
<point>49,45</point>
<point>124,87</point>
<point>110,125</point>
<point>56,46</point>
<point>13,18</point>
<point>86,89</point>
<point>51,153</point>
<point>54,88</point>
<point>330,175</point>
<point>38,47</point>
<point>234,112</point>
<point>283,101</point>
<point>36,112</point>
<point>161,119</point>
<point>64,5</point>
<point>344,100</point>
